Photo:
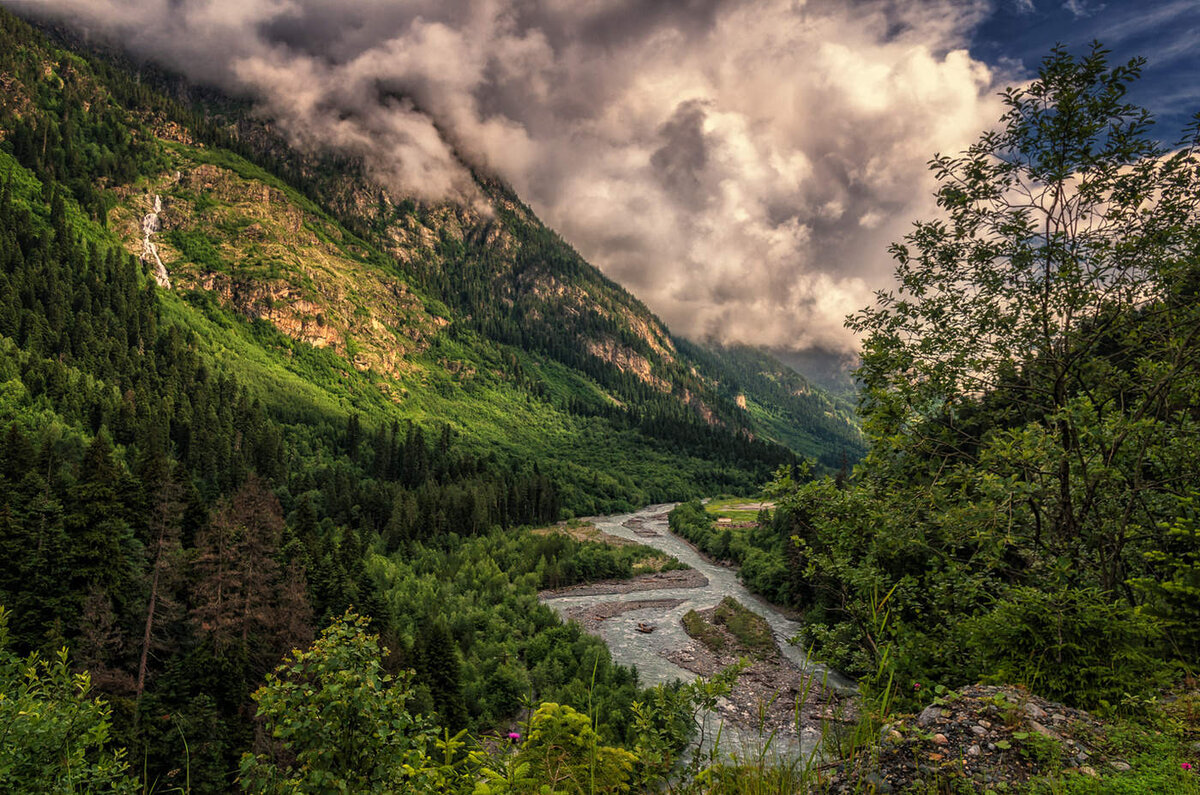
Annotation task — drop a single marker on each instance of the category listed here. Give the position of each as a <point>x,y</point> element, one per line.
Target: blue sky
<point>1165,32</point>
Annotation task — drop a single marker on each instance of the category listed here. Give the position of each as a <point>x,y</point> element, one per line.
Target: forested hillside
<point>784,405</point>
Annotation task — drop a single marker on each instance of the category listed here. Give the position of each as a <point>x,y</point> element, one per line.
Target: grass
<point>695,626</point>
<point>751,629</point>
<point>735,508</point>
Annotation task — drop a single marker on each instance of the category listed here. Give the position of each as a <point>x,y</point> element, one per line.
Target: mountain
<point>783,405</point>
<point>325,295</point>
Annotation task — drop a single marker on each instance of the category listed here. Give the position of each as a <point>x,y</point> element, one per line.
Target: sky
<point>741,166</point>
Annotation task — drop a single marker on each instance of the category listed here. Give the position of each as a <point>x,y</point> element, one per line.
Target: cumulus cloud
<point>740,166</point>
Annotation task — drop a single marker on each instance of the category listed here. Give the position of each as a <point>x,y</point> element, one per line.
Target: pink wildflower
<point>514,736</point>
<point>1186,766</point>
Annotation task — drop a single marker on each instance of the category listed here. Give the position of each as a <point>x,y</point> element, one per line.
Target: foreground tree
<point>1029,391</point>
<point>55,736</point>
<point>1058,297</point>
<point>245,602</point>
<point>337,722</point>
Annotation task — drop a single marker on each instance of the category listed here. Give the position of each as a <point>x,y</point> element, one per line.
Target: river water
<point>647,650</point>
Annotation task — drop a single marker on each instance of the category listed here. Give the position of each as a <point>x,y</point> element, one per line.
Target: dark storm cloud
<point>683,155</point>
<point>741,166</point>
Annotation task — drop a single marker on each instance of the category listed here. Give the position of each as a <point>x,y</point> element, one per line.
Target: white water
<point>647,650</point>
<point>150,225</point>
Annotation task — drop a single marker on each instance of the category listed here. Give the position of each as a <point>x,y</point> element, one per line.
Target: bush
<point>55,737</point>
<point>333,712</point>
<point>1071,645</point>
<point>564,753</point>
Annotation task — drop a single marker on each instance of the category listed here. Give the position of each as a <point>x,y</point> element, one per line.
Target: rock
<point>929,715</point>
<point>983,747</point>
<point>1040,729</point>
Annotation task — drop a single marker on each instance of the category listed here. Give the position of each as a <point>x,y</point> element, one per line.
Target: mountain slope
<point>783,405</point>
<point>317,287</point>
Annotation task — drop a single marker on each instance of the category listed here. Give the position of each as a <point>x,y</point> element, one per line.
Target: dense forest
<point>292,567</point>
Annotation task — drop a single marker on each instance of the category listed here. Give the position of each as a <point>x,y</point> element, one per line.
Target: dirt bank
<point>684,578</point>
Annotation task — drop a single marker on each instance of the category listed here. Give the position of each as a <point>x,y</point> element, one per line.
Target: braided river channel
<point>653,652</point>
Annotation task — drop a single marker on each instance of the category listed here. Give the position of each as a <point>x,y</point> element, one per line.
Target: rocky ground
<point>980,738</point>
<point>772,693</point>
<point>591,616</point>
<point>638,526</point>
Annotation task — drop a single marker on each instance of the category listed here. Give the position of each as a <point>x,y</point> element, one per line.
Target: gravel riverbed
<point>613,610</point>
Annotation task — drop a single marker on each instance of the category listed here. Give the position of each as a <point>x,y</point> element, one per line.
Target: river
<point>648,651</point>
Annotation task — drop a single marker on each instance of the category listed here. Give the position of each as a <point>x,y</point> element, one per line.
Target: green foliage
<point>695,626</point>
<point>669,717</point>
<point>1070,643</point>
<point>1029,394</point>
<point>764,551</point>
<point>564,753</point>
<point>751,629</point>
<point>196,248</point>
<point>509,646</point>
<point>56,736</point>
<point>664,722</point>
<point>1172,592</point>
<point>1155,751</point>
<point>335,712</point>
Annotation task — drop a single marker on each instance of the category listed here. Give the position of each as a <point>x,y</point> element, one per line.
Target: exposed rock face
<point>268,258</point>
<point>13,97</point>
<point>627,360</point>
<point>703,409</point>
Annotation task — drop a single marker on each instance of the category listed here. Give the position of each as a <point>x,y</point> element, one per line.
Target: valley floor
<point>779,680</point>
